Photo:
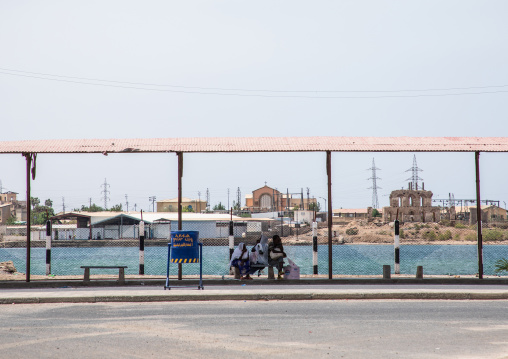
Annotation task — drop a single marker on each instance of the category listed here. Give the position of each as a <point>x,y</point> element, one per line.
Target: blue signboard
<point>185,248</point>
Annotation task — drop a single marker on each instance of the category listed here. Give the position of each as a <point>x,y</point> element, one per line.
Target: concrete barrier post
<point>419,272</point>
<point>141,248</point>
<point>387,271</point>
<point>397,247</point>
<point>314,248</point>
<point>48,247</point>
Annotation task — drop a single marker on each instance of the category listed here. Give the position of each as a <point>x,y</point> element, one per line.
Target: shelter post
<point>329,174</point>
<point>479,216</point>
<point>180,175</point>
<point>28,157</point>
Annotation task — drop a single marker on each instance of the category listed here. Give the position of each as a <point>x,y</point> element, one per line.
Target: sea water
<point>347,259</point>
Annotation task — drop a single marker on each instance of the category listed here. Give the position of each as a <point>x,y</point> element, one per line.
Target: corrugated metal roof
<point>261,144</point>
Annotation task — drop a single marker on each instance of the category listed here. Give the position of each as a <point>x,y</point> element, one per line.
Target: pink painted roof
<point>261,144</point>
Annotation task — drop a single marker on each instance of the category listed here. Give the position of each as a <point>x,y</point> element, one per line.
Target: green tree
<point>314,206</point>
<point>11,220</point>
<point>219,207</point>
<point>40,214</point>
<point>187,209</point>
<point>92,208</point>
<point>375,213</point>
<point>116,208</point>
<point>48,203</point>
<point>34,202</point>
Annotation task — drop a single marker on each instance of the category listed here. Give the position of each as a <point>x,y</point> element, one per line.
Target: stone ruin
<point>413,205</point>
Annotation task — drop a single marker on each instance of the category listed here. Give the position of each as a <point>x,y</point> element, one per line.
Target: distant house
<point>158,225</point>
<point>268,199</point>
<point>171,205</point>
<point>349,214</point>
<point>490,213</point>
<point>11,207</point>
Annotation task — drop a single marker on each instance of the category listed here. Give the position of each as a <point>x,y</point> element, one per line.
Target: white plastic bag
<point>291,271</point>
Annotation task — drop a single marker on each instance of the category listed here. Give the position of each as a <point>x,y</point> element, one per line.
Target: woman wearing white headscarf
<point>240,259</point>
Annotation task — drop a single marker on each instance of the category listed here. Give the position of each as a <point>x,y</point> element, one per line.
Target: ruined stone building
<point>412,206</point>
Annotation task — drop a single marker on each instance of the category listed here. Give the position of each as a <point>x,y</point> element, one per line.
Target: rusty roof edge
<point>259,144</point>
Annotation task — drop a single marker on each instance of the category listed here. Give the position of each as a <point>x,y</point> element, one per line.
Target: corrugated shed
<point>261,144</point>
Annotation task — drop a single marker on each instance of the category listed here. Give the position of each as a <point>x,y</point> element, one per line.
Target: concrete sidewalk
<point>153,291</point>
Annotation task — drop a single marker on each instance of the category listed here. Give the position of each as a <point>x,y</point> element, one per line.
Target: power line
<point>211,89</point>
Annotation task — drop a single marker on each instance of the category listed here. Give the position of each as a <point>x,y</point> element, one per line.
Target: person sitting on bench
<point>240,259</point>
<point>276,255</point>
<point>259,255</point>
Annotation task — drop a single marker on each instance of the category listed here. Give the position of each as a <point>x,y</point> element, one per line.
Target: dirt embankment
<point>362,232</point>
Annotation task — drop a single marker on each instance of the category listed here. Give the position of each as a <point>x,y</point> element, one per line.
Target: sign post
<point>185,248</point>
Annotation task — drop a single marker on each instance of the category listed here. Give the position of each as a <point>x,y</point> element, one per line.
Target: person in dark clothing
<point>276,255</point>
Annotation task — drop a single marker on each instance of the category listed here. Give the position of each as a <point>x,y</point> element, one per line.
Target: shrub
<point>493,235</point>
<point>460,225</point>
<point>502,265</point>
<point>352,231</point>
<point>457,236</point>
<point>470,237</point>
<point>401,234</point>
<point>430,235</point>
<point>444,236</point>
<point>445,222</point>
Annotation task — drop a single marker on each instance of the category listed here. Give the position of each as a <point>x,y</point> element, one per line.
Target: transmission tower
<point>1,188</point>
<point>374,178</point>
<point>127,203</point>
<point>63,204</point>
<point>414,175</point>
<point>105,191</point>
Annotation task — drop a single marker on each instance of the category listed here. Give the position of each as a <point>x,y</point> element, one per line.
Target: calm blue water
<point>347,259</point>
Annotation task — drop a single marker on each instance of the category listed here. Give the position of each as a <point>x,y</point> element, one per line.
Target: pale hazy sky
<point>128,69</point>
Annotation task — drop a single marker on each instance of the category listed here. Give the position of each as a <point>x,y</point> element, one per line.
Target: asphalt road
<point>257,329</point>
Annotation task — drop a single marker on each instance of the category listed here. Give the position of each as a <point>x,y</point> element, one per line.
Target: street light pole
<point>324,199</point>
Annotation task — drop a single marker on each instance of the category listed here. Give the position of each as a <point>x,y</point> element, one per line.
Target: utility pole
<point>199,197</point>
<point>135,206</point>
<point>228,200</point>
<point>127,203</point>
<point>1,188</point>
<point>238,198</point>
<point>375,203</point>
<point>308,197</point>
<point>207,200</point>
<point>105,191</point>
<point>90,200</point>
<point>63,204</point>
<point>152,199</point>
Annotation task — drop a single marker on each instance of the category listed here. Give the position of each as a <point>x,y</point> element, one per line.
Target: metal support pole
<point>28,157</point>
<point>479,216</point>
<point>329,174</point>
<point>180,175</point>
<point>314,247</point>
<point>396,245</point>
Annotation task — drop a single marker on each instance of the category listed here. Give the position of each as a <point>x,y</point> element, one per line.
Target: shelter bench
<point>121,273</point>
<point>255,267</point>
